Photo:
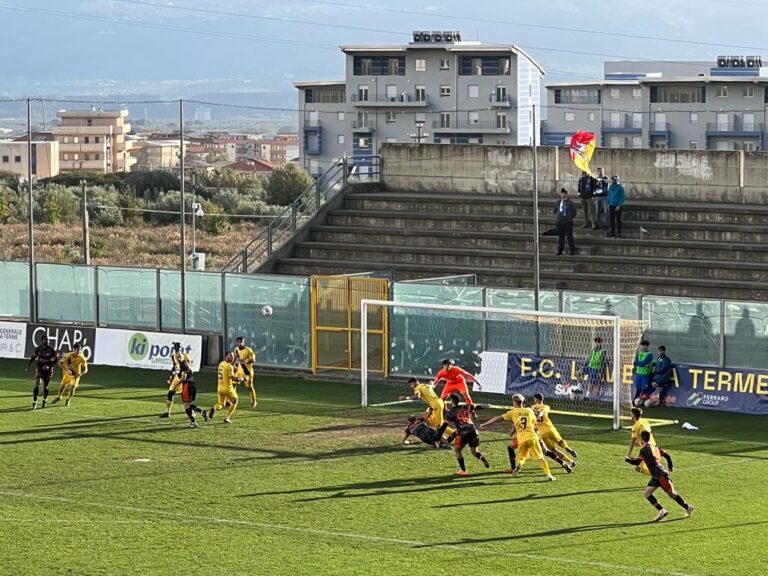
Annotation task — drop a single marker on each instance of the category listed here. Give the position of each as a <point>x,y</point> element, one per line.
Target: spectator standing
<point>601,199</point>
<point>661,378</point>
<point>595,368</point>
<point>641,378</point>
<point>565,211</point>
<point>616,199</point>
<point>586,192</point>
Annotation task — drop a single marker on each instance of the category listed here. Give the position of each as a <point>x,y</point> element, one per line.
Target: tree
<point>286,183</point>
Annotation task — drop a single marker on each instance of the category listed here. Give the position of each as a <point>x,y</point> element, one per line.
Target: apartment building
<point>45,157</point>
<point>282,149</point>
<point>438,88</point>
<point>717,105</point>
<point>94,140</point>
<point>157,154</point>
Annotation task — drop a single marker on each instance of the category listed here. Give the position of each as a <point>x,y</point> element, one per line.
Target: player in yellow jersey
<point>225,389</point>
<point>435,412</point>
<point>179,358</point>
<point>73,367</point>
<point>549,434</point>
<point>638,425</point>
<point>528,441</point>
<point>244,359</point>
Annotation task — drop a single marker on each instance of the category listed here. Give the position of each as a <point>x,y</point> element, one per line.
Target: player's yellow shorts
<point>551,439</point>
<point>436,418</point>
<point>226,395</point>
<point>175,384</point>
<point>530,448</point>
<point>69,380</point>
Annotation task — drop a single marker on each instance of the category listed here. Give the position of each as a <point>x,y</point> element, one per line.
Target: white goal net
<point>569,358</point>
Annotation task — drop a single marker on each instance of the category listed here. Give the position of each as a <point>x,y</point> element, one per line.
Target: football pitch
<point>309,483</point>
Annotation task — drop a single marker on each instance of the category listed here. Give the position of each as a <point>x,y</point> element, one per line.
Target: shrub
<point>211,223</point>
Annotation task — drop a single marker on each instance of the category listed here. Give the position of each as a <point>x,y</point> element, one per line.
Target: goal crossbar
<point>615,320</point>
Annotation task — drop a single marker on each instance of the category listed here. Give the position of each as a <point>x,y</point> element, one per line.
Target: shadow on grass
<point>534,496</point>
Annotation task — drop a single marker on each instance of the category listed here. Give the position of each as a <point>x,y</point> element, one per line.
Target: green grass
<point>311,484</point>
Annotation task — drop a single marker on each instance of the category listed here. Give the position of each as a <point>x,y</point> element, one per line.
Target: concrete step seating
<point>697,249</point>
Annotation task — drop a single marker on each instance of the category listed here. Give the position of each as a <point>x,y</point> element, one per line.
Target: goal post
<point>581,363</point>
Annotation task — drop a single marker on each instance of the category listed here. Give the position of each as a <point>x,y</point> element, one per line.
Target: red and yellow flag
<point>582,148</point>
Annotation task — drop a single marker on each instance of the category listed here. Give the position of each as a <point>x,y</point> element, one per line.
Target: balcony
<point>748,129</point>
<point>467,127</point>
<point>621,126</point>
<point>72,147</point>
<point>59,131</point>
<point>500,101</point>
<point>403,100</point>
<point>362,126</point>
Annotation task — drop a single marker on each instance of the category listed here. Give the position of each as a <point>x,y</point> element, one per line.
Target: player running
<point>650,455</point>
<point>419,428</point>
<point>461,416</point>
<point>244,359</point>
<point>178,357</point>
<point>189,394</point>
<point>225,389</point>
<point>528,441</point>
<point>455,380</point>
<point>46,358</point>
<point>547,431</point>
<point>435,412</point>
<point>73,367</point>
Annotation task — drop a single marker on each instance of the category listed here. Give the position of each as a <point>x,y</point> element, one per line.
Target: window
<point>96,157</point>
<point>87,157</point>
<point>421,65</point>
<point>340,116</point>
<point>75,140</point>
<point>420,117</point>
<point>637,93</point>
<point>750,146</point>
<point>362,142</point>
<point>76,157</point>
<point>570,117</point>
<point>96,140</point>
<point>694,117</point>
<point>617,142</point>
<point>501,93</point>
<point>89,122</point>
<point>391,92</point>
<point>577,96</point>
<point>6,159</point>
<point>87,140</point>
<point>421,93</point>
<point>445,91</point>
<point>445,119</point>
<point>474,117</point>
<point>474,91</point>
<point>615,93</point>
<point>394,66</point>
<point>445,64</point>
<point>66,139</point>
<point>502,142</point>
<point>362,93</point>
<point>722,91</point>
<point>591,116</point>
<point>66,156</point>
<point>678,94</point>
<point>340,139</point>
<point>484,66</point>
<point>660,145</point>
<point>378,66</point>
<point>749,91</point>
<point>637,120</point>
<point>637,142</point>
<point>391,117</point>
<point>723,145</point>
<point>501,120</point>
<point>17,159</point>
<point>567,141</point>
<point>693,145</point>
<point>324,95</point>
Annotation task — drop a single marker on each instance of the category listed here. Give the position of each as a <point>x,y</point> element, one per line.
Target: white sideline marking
<point>691,435</point>
<point>366,537</point>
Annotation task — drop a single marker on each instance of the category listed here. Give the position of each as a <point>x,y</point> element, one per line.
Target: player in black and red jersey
<point>46,358</point>
<point>189,394</point>
<point>461,417</point>
<point>651,455</point>
<point>419,428</point>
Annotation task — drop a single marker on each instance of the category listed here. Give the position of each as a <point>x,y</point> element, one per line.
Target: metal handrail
<point>285,225</point>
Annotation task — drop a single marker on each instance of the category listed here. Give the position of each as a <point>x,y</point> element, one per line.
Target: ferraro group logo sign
<point>144,349</point>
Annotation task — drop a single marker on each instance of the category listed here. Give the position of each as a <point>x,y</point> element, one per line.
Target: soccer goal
<point>569,358</point>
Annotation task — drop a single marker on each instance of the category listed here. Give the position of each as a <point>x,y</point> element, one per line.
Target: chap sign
<point>62,338</point>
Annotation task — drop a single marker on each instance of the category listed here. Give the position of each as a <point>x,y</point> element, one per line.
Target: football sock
<point>480,456</point>
<point>511,452</point>
<point>252,391</point>
<point>461,464</point>
<point>45,392</point>
<point>654,502</point>
<point>35,392</point>
<point>231,409</point>
<point>190,413</point>
<point>545,467</point>
<point>443,428</point>
<point>554,456</point>
<point>680,501</point>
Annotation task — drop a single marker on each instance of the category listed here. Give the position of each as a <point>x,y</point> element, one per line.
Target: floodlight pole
<point>183,248</point>
<point>32,287</point>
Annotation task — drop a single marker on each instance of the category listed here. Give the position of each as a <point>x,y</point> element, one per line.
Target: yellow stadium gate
<point>336,323</point>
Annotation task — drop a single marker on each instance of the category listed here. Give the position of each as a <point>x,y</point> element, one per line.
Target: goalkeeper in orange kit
<point>455,380</point>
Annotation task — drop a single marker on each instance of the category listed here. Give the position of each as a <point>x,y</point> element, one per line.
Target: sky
<point>161,47</point>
